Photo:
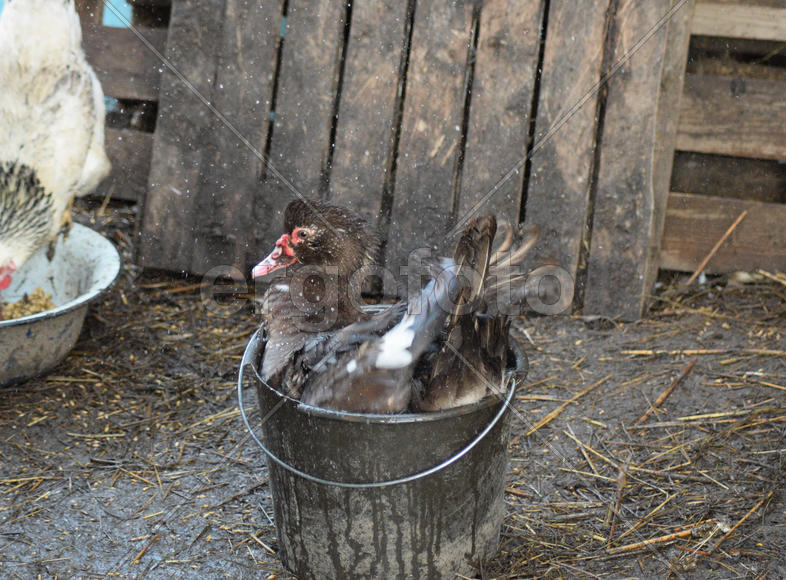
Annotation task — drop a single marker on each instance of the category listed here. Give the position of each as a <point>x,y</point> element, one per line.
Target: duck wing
<point>322,351</point>
<point>473,354</point>
<point>376,377</point>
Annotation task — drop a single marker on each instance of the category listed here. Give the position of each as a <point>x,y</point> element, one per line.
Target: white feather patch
<point>394,353</point>
<point>352,366</point>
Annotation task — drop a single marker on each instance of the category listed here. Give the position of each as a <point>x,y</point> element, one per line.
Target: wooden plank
<point>637,147</point>
<point>126,67</point>
<point>558,194</point>
<point>182,130</point>
<point>90,11</point>
<point>694,223</point>
<point>675,60</point>
<point>307,87</point>
<point>130,152</point>
<point>733,116</point>
<point>740,20</point>
<point>430,142</point>
<point>734,177</point>
<point>505,68</point>
<point>231,168</point>
<point>365,132</point>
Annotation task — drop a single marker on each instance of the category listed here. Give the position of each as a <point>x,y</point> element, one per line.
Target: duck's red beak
<point>281,257</point>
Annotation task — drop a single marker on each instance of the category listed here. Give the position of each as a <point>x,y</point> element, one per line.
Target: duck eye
<point>300,234</point>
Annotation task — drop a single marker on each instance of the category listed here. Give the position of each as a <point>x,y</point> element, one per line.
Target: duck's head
<point>323,235</point>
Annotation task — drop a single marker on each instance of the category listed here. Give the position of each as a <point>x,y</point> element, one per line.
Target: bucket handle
<point>359,485</point>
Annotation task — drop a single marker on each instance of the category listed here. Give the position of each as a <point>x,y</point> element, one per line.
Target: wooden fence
<point>731,141</point>
<point>561,114</point>
<point>126,62</point>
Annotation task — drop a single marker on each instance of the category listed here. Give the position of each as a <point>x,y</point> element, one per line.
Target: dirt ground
<point>130,460</point>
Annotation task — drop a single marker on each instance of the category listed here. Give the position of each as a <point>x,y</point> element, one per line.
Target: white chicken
<point>51,126</point>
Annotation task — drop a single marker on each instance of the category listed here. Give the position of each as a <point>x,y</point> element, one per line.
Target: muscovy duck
<point>447,346</point>
<point>327,249</point>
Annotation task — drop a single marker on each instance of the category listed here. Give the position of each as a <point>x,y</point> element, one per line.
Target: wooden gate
<point>419,113</point>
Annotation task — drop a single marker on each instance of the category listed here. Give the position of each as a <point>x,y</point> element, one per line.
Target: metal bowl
<point>83,266</point>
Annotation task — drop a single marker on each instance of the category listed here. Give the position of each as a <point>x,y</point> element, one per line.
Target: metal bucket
<point>382,496</point>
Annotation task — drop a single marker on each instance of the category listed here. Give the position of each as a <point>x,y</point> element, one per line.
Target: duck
<point>52,126</point>
<point>443,347</point>
<point>326,251</point>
